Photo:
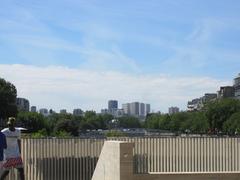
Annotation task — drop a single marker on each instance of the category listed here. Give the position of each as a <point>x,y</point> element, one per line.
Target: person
<point>12,154</point>
<point>3,145</point>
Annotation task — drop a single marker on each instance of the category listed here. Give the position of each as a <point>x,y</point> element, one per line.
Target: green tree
<point>232,125</point>
<point>8,94</point>
<point>220,111</point>
<point>177,121</point>
<point>152,121</point>
<point>129,122</point>
<point>68,126</point>
<point>91,120</point>
<point>32,121</point>
<point>54,118</point>
<point>164,122</point>
<point>197,122</point>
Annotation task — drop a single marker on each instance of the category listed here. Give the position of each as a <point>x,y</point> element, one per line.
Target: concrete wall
<point>116,163</point>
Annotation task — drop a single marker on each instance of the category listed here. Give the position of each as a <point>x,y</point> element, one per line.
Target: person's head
<point>11,122</point>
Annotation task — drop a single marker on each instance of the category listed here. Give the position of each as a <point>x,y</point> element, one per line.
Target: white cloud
<point>60,87</point>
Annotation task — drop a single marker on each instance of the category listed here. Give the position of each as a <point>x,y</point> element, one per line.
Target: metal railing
<point>75,159</point>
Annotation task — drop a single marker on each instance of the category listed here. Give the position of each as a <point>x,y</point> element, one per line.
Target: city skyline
<point>161,52</point>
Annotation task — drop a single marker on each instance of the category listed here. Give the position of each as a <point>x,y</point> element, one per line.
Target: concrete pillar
<point>115,162</point>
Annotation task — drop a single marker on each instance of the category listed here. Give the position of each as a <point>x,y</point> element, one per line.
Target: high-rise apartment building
<point>22,104</point>
<point>236,85</point>
<point>126,108</point>
<point>112,105</point>
<point>142,111</point>
<point>147,109</point>
<point>134,108</point>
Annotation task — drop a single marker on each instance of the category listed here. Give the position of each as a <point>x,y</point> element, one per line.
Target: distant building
<point>198,103</point>
<point>126,108</point>
<point>22,104</point>
<point>209,97</point>
<point>112,104</point>
<point>173,110</point>
<point>118,113</point>
<point>147,109</point>
<point>226,92</point>
<point>134,108</point>
<point>33,109</point>
<point>51,111</point>
<point>44,111</point>
<point>236,85</point>
<point>195,104</point>
<point>142,111</point>
<point>104,111</point>
<point>78,112</point>
<point>63,111</point>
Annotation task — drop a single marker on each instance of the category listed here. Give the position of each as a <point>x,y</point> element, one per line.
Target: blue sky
<point>141,39</point>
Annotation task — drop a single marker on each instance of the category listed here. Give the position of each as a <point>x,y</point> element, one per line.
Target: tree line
<point>219,116</point>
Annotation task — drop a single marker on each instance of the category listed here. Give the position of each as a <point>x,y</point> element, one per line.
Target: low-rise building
<point>118,113</point>
<point>63,111</point>
<point>209,97</point>
<point>173,110</point>
<point>44,111</point>
<point>78,112</point>
<point>104,111</point>
<point>195,104</point>
<point>33,109</point>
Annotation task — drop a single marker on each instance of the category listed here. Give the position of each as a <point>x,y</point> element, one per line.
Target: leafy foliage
<point>218,112</point>
<point>129,122</point>
<point>232,125</point>
<point>68,126</point>
<point>8,94</point>
<point>217,116</point>
<point>32,121</point>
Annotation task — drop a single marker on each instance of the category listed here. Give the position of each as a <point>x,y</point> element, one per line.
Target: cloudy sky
<point>81,53</point>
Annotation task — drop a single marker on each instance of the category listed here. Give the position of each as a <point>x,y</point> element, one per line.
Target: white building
<point>126,108</point>
<point>136,109</point>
